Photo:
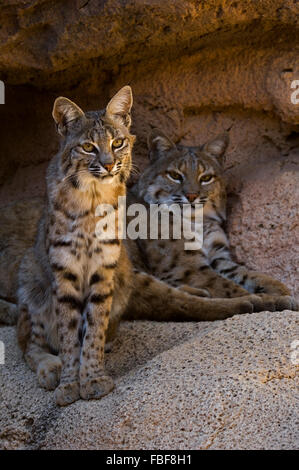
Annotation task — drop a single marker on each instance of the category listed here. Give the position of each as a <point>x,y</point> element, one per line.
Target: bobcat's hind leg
<point>37,354</point>
<point>264,284</point>
<point>48,368</point>
<point>274,294</point>
<point>254,282</point>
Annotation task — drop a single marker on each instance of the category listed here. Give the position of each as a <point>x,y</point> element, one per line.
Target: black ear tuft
<point>120,105</point>
<point>64,113</point>
<point>158,143</point>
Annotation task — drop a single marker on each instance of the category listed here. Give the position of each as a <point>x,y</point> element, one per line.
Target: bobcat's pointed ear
<point>64,113</point>
<point>217,147</point>
<point>120,105</point>
<point>158,143</point>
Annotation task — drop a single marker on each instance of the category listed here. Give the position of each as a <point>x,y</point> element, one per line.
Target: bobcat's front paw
<point>273,303</point>
<point>285,302</point>
<point>240,305</point>
<point>67,393</point>
<point>96,387</point>
<point>48,372</point>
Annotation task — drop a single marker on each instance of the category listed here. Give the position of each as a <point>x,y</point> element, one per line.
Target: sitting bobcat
<point>68,280</point>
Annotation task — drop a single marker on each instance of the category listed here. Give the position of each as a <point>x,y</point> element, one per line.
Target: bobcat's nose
<point>191,196</point>
<point>108,166</point>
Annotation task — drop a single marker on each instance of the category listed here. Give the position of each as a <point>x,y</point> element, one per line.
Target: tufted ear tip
<point>64,112</point>
<point>128,91</point>
<point>120,105</point>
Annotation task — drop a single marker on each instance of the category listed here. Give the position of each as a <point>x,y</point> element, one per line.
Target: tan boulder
<point>220,385</point>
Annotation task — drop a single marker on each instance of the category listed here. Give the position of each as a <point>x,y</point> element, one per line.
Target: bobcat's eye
<point>88,147</point>
<point>117,143</point>
<point>175,176</point>
<point>205,179</point>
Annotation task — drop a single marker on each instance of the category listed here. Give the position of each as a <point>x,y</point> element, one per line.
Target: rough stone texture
<point>221,385</point>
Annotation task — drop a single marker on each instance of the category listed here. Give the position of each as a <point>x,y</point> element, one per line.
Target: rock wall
<point>196,68</point>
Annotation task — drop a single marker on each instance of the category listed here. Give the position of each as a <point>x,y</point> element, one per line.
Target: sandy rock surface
<point>210,385</point>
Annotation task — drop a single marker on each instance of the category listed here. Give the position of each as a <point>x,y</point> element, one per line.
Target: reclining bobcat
<point>74,288</point>
<point>189,175</point>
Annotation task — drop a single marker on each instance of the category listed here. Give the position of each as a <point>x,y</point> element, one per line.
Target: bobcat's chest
<point>77,245</point>
<point>94,244</point>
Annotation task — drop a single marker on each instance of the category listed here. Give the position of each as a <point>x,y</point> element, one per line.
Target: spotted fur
<point>189,175</point>
<point>66,292</point>
<point>68,280</point>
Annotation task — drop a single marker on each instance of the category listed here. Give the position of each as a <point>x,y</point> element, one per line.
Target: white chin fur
<point>107,180</point>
